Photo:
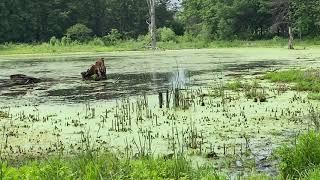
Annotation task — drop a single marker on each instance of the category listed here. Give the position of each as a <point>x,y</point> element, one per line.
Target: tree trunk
<point>290,44</point>
<point>152,25</point>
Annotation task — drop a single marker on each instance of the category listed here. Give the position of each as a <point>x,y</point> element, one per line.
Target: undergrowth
<point>96,45</point>
<point>302,159</point>
<point>106,166</point>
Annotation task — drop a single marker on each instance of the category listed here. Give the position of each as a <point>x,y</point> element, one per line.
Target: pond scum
<point>230,127</point>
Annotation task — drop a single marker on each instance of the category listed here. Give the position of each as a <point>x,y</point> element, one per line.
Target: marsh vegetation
<point>245,106</point>
<point>208,114</point>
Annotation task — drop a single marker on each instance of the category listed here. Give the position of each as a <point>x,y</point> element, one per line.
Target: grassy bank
<point>46,48</point>
<point>106,166</point>
<point>299,160</point>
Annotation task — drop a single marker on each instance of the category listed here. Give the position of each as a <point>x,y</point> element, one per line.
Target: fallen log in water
<point>21,79</point>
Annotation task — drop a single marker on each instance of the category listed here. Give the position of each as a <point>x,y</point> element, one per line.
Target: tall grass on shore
<point>106,166</point>
<point>302,159</point>
<point>97,45</point>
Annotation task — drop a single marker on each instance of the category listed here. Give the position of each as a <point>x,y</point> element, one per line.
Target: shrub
<point>166,34</point>
<point>225,31</point>
<point>53,41</point>
<point>141,38</point>
<point>75,42</point>
<point>301,157</point>
<point>112,38</point>
<point>65,41</point>
<point>79,32</point>
<point>276,38</point>
<point>205,34</point>
<point>234,86</point>
<point>187,37</point>
<point>144,38</point>
<point>97,42</point>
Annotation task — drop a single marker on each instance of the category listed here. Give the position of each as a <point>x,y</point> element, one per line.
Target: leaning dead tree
<point>152,24</point>
<point>282,13</point>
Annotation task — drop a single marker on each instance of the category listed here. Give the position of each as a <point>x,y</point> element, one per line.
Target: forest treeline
<point>40,20</point>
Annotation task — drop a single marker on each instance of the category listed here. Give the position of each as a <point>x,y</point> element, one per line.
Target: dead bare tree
<point>282,12</point>
<point>152,24</point>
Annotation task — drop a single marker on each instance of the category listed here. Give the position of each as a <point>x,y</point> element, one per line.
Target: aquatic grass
<point>234,85</point>
<point>304,80</point>
<point>297,159</point>
<point>315,117</point>
<point>312,174</point>
<point>4,114</point>
<point>314,96</point>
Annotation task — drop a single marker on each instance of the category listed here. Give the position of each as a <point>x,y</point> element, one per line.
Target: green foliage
<point>305,80</point>
<point>4,114</point>
<point>286,76</point>
<point>53,41</point>
<point>225,30</point>
<point>276,38</point>
<point>185,38</point>
<point>204,34</point>
<point>112,38</point>
<point>38,21</point>
<point>254,91</point>
<point>235,85</point>
<point>79,32</point>
<point>298,159</point>
<point>251,19</point>
<point>314,96</point>
<point>65,41</point>
<point>97,42</point>
<point>312,174</point>
<point>186,41</point>
<point>166,34</point>
<point>108,166</point>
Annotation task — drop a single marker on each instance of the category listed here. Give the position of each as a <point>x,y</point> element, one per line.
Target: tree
<point>282,14</point>
<point>152,24</point>
<point>38,20</point>
<point>79,32</point>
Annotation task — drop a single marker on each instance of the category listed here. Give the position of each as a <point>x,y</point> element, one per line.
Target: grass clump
<point>235,85</point>
<point>303,157</point>
<point>304,80</point>
<point>314,96</point>
<point>4,114</point>
<point>313,174</point>
<point>254,91</point>
<point>106,166</point>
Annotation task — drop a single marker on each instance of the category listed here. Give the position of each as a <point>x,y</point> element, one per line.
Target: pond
<point>122,113</point>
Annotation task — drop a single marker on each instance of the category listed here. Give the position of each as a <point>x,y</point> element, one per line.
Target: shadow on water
<point>117,86</point>
<point>236,67</point>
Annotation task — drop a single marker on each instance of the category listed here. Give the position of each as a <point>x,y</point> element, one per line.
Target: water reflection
<point>124,79</point>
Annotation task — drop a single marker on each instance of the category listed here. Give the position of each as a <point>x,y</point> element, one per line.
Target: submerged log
<point>95,72</point>
<point>21,79</point>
